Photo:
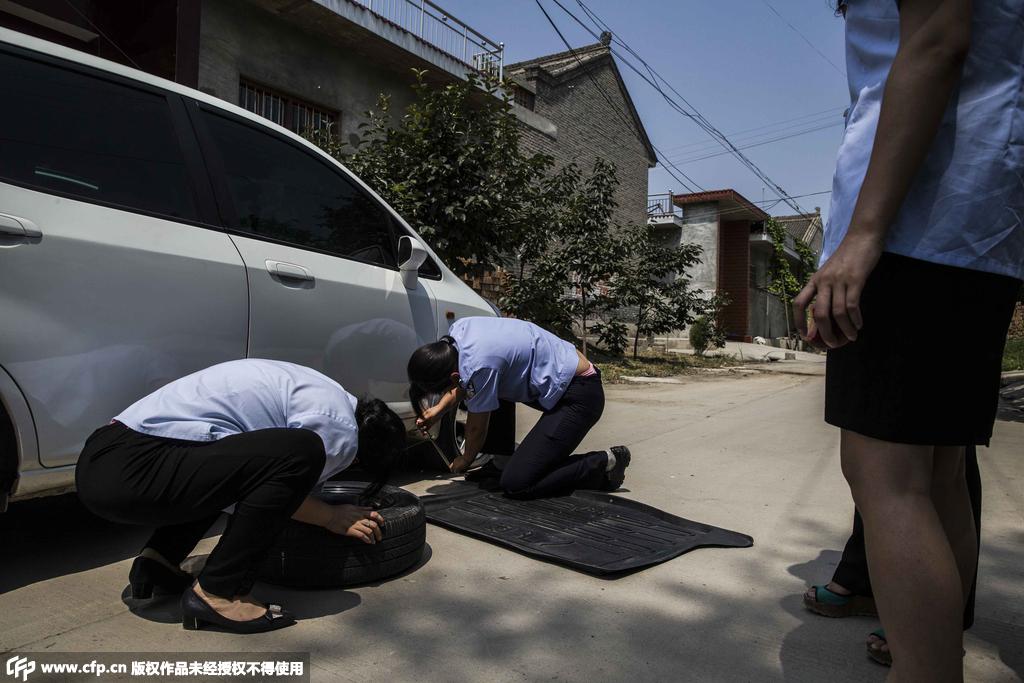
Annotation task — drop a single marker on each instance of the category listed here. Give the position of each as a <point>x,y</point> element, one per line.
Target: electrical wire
<point>694,114</point>
<point>749,135</point>
<point>690,160</point>
<point>806,39</point>
<point>615,108</point>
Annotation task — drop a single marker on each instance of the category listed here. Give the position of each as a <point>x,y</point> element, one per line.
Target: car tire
<point>452,435</point>
<point>308,556</point>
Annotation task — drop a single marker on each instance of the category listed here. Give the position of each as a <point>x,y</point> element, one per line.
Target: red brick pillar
<point>734,277</point>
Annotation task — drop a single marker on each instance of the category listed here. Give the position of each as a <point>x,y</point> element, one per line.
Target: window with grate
<point>298,116</point>
<point>523,97</point>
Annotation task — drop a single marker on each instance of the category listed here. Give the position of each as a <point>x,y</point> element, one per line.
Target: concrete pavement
<point>746,452</point>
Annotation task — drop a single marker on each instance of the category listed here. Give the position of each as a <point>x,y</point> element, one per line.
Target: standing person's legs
<point>543,465</point>
<point>852,572</point>
<point>973,478</point>
<point>914,568</point>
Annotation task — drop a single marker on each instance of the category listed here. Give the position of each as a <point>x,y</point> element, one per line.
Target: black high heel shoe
<point>149,576</point>
<point>196,612</point>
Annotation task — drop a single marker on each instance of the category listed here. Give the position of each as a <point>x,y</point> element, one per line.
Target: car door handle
<point>289,271</point>
<point>18,227</point>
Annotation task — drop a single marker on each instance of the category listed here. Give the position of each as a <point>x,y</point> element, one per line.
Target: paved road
<point>747,452</point>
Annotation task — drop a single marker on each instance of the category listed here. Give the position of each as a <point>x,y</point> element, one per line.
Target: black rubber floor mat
<point>593,532</point>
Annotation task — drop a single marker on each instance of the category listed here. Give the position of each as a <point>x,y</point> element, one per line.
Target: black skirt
<point>925,367</point>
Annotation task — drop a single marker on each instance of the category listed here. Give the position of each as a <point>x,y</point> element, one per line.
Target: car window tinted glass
<point>429,269</point>
<point>285,193</point>
<point>74,134</point>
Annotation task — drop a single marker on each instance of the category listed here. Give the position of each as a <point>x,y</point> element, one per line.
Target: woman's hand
<point>355,521</point>
<point>431,415</point>
<point>462,463</point>
<point>836,289</point>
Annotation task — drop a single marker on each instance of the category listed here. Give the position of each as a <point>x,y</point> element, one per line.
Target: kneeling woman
<point>255,434</point>
<point>488,361</point>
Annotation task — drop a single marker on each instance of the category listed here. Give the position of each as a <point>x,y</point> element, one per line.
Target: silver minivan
<point>148,230</point>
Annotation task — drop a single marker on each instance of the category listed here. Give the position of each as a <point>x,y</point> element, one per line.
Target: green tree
<point>652,288</point>
<point>785,281</point>
<point>591,246</point>
<point>566,261</point>
<point>451,167</point>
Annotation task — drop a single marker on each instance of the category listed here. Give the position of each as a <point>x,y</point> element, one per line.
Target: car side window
<point>284,193</point>
<point>70,133</point>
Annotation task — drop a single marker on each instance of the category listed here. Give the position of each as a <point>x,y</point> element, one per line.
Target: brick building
<point>299,63</point>
<point>575,107</point>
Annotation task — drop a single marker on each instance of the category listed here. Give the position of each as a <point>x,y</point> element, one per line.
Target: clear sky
<point>736,61</point>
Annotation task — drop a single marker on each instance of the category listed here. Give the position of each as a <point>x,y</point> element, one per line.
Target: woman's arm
<point>934,39</point>
<point>476,435</point>
<point>348,520</point>
<point>429,416</point>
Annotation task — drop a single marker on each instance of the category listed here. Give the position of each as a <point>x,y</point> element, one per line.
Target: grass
<point>667,365</point>
<point>1013,355</point>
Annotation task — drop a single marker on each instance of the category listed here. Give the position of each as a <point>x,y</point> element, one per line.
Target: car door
<point>320,255</point>
<point>111,284</point>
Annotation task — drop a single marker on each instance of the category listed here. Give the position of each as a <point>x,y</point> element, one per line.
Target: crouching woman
<point>258,435</point>
<point>488,361</point>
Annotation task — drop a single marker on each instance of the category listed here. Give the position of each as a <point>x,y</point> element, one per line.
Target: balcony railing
<point>661,205</point>
<point>438,28</point>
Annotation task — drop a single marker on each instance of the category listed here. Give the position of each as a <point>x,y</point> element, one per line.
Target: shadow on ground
<point>49,537</point>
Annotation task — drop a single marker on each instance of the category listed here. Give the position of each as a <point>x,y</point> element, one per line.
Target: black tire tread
<point>308,556</point>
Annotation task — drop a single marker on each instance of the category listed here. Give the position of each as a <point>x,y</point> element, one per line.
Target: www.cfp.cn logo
<point>20,666</point>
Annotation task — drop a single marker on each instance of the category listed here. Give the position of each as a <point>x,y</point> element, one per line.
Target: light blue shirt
<point>511,360</point>
<point>966,206</point>
<point>246,395</point>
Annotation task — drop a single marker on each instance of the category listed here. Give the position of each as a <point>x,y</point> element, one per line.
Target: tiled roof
<point>740,208</point>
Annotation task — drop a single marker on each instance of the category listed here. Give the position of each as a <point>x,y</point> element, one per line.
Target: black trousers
<point>181,487</point>
<point>544,463</point>
<point>852,571</point>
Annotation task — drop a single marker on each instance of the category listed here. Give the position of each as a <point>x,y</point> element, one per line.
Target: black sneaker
<point>617,475</point>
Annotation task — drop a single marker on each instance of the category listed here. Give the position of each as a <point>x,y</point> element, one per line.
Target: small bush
<point>706,334</point>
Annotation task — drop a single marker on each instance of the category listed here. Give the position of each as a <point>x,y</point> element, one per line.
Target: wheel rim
<point>460,429</point>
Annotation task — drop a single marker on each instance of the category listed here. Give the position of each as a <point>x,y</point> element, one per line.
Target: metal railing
<point>435,26</point>
<point>659,205</point>
<point>759,231</point>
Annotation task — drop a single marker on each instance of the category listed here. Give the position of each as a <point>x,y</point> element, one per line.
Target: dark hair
<point>430,369</point>
<point>381,441</point>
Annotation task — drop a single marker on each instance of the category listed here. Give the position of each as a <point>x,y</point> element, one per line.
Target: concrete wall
<point>588,127</point>
<point>240,39</point>
<point>767,315</point>
<point>700,226</point>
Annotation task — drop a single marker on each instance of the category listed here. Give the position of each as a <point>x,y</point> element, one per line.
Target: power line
<point>701,156</point>
<point>622,117</point>
<point>807,119</point>
<point>97,29</point>
<point>693,113</point>
<point>806,39</point>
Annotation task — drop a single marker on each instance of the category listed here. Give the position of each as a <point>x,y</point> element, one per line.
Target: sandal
<point>830,604</point>
<point>883,657</point>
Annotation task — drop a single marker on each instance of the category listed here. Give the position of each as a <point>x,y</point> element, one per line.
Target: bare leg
<point>914,571</point>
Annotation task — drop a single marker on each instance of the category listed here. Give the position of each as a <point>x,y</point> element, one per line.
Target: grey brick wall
<point>239,39</point>
<point>588,127</point>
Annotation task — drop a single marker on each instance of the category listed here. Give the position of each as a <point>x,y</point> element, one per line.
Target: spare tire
<point>308,556</point>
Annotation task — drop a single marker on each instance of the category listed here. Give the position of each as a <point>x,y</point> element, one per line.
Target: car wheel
<point>452,435</point>
<point>308,556</point>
